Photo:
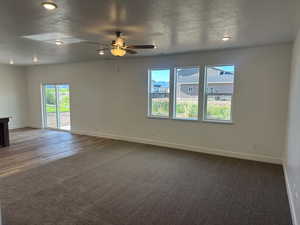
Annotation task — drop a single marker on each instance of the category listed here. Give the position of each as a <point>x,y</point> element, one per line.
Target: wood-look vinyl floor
<point>56,178</point>
<point>32,147</point>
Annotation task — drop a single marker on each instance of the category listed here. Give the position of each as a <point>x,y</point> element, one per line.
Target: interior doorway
<point>56,105</point>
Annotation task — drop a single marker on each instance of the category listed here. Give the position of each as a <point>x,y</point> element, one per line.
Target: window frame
<point>174,97</point>
<point>201,94</point>
<point>149,110</point>
<point>205,95</point>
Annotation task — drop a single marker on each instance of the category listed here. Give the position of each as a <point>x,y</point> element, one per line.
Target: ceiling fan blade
<point>103,49</point>
<point>130,51</point>
<point>91,42</point>
<point>141,46</point>
<point>102,46</point>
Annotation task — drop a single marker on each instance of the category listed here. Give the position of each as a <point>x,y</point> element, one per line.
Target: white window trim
<point>149,108</point>
<point>201,95</point>
<point>204,99</point>
<point>175,92</point>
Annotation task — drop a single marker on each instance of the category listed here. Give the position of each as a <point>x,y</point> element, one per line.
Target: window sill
<point>158,117</point>
<point>192,120</point>
<point>182,119</point>
<point>218,122</point>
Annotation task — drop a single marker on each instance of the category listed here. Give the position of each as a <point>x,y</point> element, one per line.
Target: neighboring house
<point>187,83</point>
<point>160,89</point>
<point>218,82</point>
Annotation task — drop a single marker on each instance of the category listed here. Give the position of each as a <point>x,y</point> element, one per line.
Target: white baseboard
<point>290,195</point>
<point>16,128</point>
<point>34,127</point>
<point>221,152</point>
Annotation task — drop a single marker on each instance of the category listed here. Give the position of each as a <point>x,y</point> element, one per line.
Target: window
<point>159,92</point>
<point>219,83</point>
<point>181,100</point>
<point>186,93</point>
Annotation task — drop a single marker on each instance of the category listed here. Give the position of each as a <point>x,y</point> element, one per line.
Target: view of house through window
<point>218,92</point>
<point>186,93</point>
<point>159,92</point>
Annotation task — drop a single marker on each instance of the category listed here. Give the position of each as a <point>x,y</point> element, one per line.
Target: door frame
<point>44,112</point>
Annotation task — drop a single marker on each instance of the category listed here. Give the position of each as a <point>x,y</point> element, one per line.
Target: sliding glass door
<point>56,106</point>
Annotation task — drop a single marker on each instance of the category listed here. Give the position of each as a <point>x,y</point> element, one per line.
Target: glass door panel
<point>64,107</point>
<point>50,106</point>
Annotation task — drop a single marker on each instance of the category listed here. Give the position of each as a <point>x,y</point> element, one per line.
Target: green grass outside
<point>218,112</point>
<point>51,100</point>
<point>187,110</point>
<point>190,110</point>
<point>62,108</point>
<point>160,108</point>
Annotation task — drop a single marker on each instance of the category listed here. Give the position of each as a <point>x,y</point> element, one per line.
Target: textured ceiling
<point>173,25</point>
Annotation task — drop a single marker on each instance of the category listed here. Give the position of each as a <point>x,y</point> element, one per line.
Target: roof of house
<point>216,75</point>
<point>191,76</point>
<point>162,84</point>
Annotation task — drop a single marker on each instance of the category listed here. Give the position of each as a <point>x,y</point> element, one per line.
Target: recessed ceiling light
<point>101,52</point>
<point>226,38</point>
<point>11,62</point>
<point>49,5</point>
<point>59,42</point>
<point>35,59</point>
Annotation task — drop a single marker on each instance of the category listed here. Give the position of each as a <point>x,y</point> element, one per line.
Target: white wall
<point>109,98</point>
<point>13,95</point>
<point>292,164</point>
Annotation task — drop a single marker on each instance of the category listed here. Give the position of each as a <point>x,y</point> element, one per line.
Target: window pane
<point>219,91</point>
<point>160,92</point>
<point>186,93</point>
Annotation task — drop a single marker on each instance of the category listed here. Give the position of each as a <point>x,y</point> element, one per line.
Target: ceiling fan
<point>118,47</point>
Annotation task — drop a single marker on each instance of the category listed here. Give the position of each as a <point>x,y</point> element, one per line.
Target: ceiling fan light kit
<point>117,51</point>
<point>119,48</point>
